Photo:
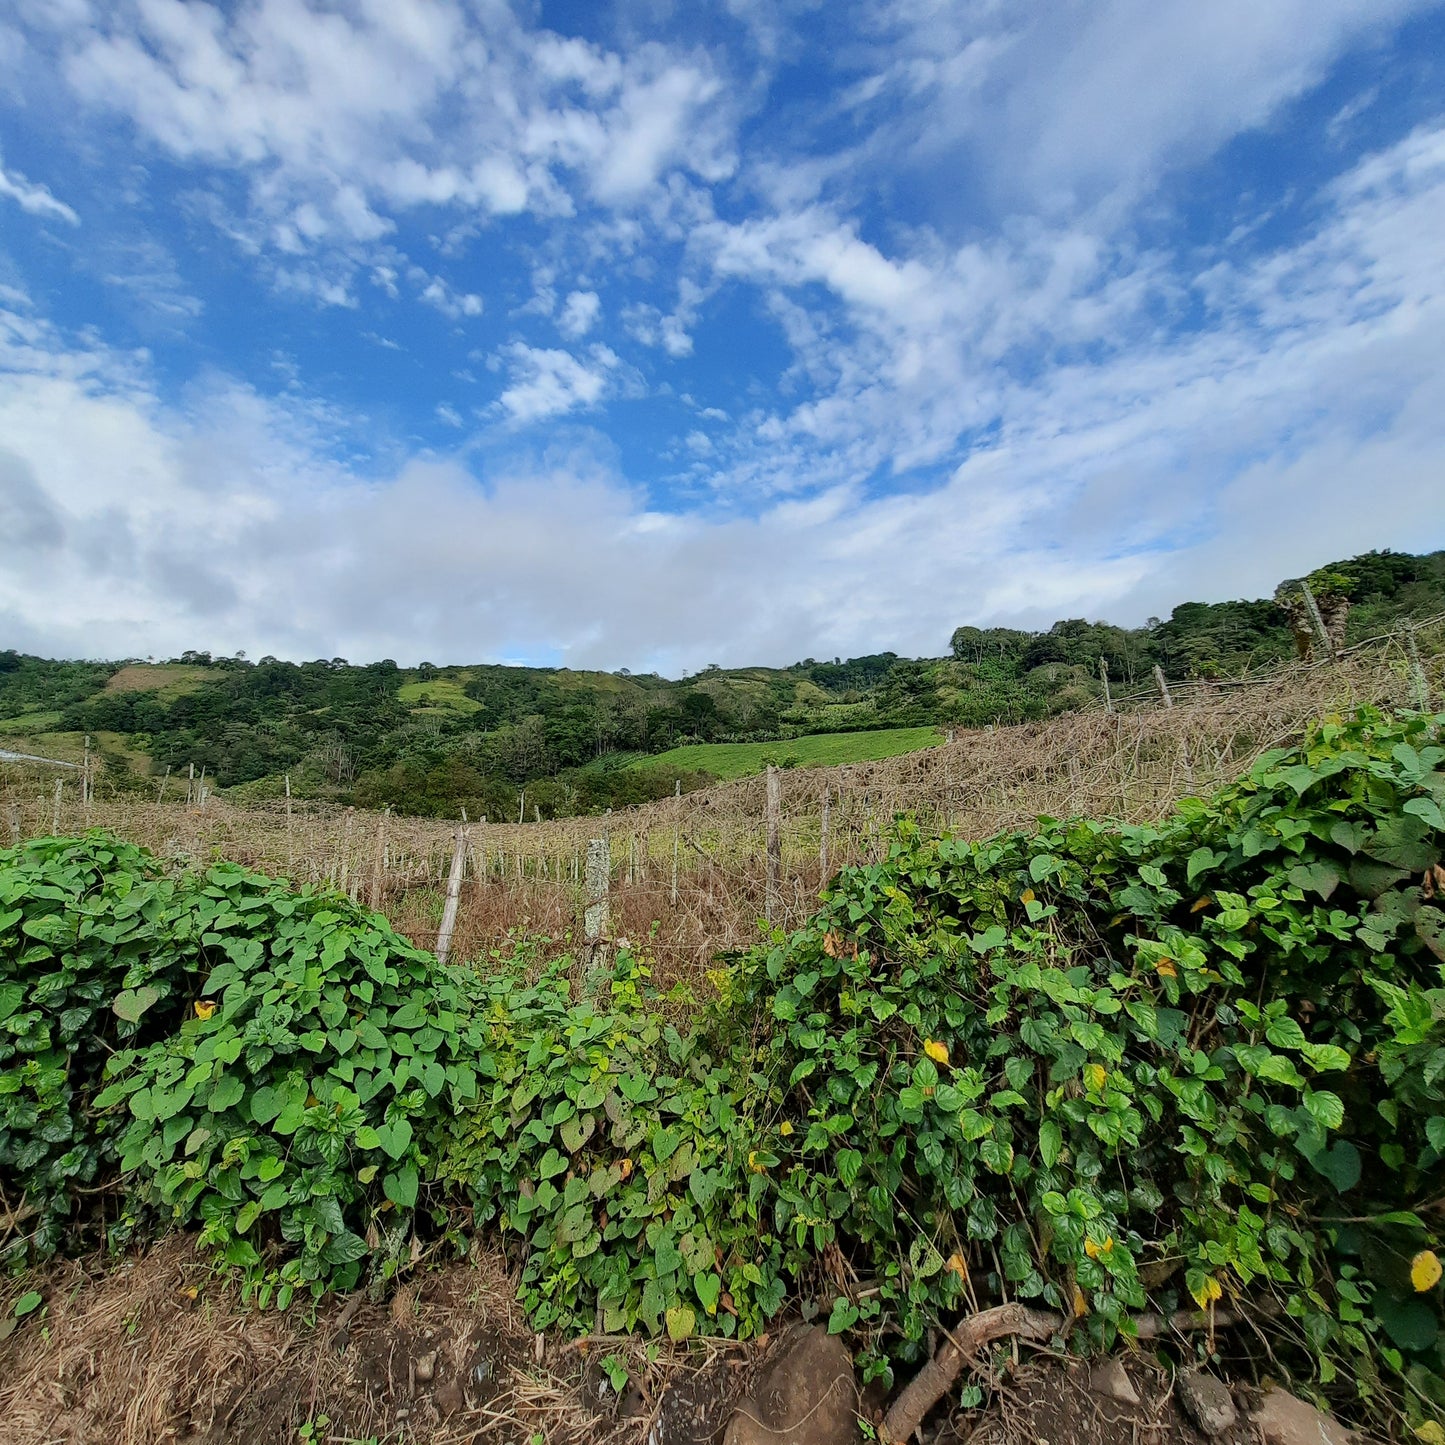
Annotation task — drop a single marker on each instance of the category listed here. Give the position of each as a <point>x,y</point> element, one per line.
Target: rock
<point>449,1396</point>
<point>1284,1419</point>
<point>1109,1377</point>
<point>806,1395</point>
<point>1207,1402</point>
<point>426,1366</point>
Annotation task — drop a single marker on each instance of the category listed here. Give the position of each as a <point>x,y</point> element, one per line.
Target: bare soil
<point>159,1351</point>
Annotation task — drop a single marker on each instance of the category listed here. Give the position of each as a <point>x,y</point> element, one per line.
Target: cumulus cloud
<point>455,304</point>
<point>1316,393</point>
<point>579,314</point>
<point>548,383</point>
<point>340,117</point>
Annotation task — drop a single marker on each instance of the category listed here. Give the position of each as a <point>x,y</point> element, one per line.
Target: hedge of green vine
<point>1103,1069</point>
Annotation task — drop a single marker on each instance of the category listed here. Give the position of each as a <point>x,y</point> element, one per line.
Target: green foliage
<point>1104,1069</point>
<point>614,1145</point>
<point>1152,1065</point>
<point>300,1105</point>
<point>83,970</point>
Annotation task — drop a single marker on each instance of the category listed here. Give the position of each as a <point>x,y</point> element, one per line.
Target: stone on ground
<point>1110,1378</point>
<point>805,1395</point>
<point>1207,1402</point>
<point>1284,1419</point>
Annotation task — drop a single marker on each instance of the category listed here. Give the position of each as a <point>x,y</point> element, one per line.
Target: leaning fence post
<point>454,891</point>
<point>1104,678</point>
<point>773,899</point>
<point>1317,622</point>
<point>1162,685</point>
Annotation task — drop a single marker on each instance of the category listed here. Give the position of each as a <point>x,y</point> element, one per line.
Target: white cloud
<point>34,198</point>
<point>341,116</point>
<point>456,304</point>
<point>579,314</point>
<point>548,383</point>
<point>1316,393</point>
<point>449,414</point>
<point>1062,107</point>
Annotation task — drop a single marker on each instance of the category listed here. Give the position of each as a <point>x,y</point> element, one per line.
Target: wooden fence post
<point>597,916</point>
<point>676,833</point>
<point>15,824</point>
<point>55,823</point>
<point>454,890</point>
<point>1162,686</point>
<point>823,834</point>
<point>773,899</point>
<point>378,862</point>
<point>190,784</point>
<point>161,791</point>
<point>1419,685</point>
<point>1104,678</point>
<point>290,844</point>
<point>1317,623</point>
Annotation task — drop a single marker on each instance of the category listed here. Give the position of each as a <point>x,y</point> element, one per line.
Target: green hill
<point>432,740</point>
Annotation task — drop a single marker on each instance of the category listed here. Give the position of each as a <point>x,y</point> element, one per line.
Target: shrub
<point>1111,1069</point>
<point>613,1144</point>
<point>295,1113</point>
<point>83,969</point>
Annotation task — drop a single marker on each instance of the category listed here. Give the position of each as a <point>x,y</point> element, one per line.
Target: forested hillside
<point>433,739</point>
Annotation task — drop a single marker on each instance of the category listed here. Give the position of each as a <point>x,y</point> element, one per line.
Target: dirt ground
<point>158,1351</point>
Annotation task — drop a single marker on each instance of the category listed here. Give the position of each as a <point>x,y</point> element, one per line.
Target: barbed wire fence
<point>696,874</point>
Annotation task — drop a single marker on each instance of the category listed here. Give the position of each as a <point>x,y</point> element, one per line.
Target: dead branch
<point>973,1332</point>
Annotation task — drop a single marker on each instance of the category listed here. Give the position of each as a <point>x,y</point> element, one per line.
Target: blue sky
<point>648,334</point>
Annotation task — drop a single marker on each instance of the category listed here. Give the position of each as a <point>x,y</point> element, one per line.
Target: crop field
<point>825,750</point>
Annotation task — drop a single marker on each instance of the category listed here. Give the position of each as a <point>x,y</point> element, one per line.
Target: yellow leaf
<point>1199,903</point>
<point>958,1265</point>
<point>1027,896</point>
<point>1207,1293</point>
<point>785,1128</point>
<point>624,1168</point>
<point>1095,1076</point>
<point>936,1051</point>
<point>1081,1305</point>
<point>1432,1432</point>
<point>204,1008</point>
<point>1425,1271</point>
<point>1165,968</point>
<point>1095,1250</point>
<point>753,1163</point>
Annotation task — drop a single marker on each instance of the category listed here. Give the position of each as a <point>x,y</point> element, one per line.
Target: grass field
<point>444,693</point>
<point>739,760</point>
<point>169,679</point>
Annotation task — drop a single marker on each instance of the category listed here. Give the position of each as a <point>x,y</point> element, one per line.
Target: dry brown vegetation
<point>691,872</point>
